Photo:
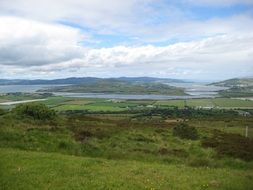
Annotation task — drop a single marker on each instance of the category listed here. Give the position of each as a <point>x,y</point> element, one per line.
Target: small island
<point>113,86</point>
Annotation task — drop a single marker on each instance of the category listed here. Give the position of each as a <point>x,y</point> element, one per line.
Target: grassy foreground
<point>167,148</point>
<point>33,170</point>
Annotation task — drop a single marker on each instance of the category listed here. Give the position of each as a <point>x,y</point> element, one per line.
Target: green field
<point>91,107</point>
<point>227,103</point>
<point>105,105</point>
<point>20,96</point>
<point>97,105</point>
<point>178,103</point>
<point>55,101</point>
<point>20,169</point>
<point>66,103</point>
<point>209,102</point>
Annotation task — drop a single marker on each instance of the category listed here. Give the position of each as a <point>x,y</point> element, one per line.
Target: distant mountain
<point>235,82</point>
<point>238,87</point>
<point>86,80</point>
<point>149,79</point>
<point>72,80</point>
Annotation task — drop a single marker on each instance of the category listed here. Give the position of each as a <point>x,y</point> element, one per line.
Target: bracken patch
<point>233,145</point>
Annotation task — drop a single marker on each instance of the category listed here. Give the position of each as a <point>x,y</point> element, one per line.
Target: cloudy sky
<point>186,39</point>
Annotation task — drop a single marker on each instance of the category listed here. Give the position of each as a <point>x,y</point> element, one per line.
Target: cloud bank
<point>52,39</point>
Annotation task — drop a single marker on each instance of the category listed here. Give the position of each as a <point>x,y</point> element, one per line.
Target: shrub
<point>229,144</point>
<point>142,138</point>
<point>36,111</point>
<point>63,145</point>
<point>173,152</point>
<point>199,162</point>
<point>185,131</point>
<point>2,112</point>
<point>83,135</point>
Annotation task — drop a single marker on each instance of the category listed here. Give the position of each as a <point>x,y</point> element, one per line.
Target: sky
<point>185,39</point>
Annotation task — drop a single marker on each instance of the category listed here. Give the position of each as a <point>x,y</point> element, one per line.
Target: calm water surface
<point>195,90</point>
<point>199,89</point>
<point>127,96</point>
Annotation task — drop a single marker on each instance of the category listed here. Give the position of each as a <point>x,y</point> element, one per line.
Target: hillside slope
<point>238,87</point>
<point>38,170</point>
<point>236,82</point>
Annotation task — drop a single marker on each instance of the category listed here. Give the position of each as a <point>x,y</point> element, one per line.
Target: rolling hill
<point>236,82</point>
<point>238,87</point>
<point>119,87</point>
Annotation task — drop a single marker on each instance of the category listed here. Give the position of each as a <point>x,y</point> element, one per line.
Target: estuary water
<point>199,89</point>
<point>127,96</point>
<point>194,90</point>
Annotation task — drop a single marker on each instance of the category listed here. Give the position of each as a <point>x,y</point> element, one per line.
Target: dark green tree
<point>36,111</point>
<point>2,111</point>
<point>185,131</point>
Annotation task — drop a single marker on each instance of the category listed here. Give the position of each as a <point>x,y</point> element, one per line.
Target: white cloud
<point>25,42</point>
<point>208,50</point>
<point>149,20</point>
<point>42,50</point>
<point>102,15</point>
<point>32,40</point>
<point>195,29</point>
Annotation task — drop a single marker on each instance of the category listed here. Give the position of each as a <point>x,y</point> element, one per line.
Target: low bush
<point>173,152</point>
<point>229,144</point>
<point>185,131</point>
<point>2,112</point>
<point>199,162</point>
<point>35,110</point>
<point>142,138</point>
